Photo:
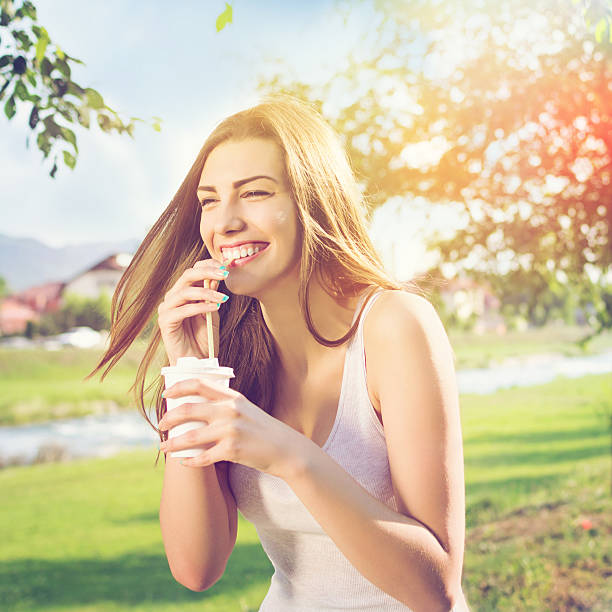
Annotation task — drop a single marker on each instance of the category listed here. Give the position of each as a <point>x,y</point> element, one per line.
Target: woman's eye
<point>246,194</point>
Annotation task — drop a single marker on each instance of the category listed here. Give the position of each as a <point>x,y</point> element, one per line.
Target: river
<point>107,434</point>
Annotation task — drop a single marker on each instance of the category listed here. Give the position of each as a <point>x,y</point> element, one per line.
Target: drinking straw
<point>209,328</point>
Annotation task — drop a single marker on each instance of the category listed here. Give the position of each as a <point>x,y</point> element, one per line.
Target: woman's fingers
<point>193,294</point>
<point>214,453</point>
<point>203,437</point>
<point>176,315</point>
<point>200,411</point>
<point>210,271</point>
<point>194,386</point>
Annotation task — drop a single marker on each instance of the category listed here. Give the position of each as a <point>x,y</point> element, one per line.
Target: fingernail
<point>226,273</point>
<point>223,268</point>
<point>225,298</point>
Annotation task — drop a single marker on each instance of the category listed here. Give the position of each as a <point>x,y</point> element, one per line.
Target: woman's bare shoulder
<point>398,316</point>
<point>394,306</point>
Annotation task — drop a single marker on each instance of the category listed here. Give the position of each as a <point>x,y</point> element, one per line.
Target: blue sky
<point>166,59</point>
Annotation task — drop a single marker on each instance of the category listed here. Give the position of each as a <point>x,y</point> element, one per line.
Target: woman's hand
<point>234,429</point>
<point>182,314</point>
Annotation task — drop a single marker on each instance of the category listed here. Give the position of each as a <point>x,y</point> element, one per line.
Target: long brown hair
<point>336,246</point>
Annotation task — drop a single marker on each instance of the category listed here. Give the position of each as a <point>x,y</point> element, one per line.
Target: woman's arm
<point>198,519</point>
<point>415,556</point>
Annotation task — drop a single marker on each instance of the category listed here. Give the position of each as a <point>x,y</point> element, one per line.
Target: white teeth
<point>240,252</point>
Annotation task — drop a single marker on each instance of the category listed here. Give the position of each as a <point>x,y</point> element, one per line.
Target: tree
<point>4,289</point>
<point>504,110</point>
<point>36,73</point>
<point>77,311</point>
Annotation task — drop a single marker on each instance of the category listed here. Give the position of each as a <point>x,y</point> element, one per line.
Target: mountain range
<point>26,262</point>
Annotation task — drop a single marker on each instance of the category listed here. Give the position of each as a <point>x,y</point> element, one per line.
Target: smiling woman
<point>353,475</point>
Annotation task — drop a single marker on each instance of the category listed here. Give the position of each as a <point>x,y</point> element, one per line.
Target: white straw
<point>209,327</point>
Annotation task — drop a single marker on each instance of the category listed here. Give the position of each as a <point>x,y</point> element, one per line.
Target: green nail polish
<point>226,273</point>
<point>225,298</point>
<point>223,268</point>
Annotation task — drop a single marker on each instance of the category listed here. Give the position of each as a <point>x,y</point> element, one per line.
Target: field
<point>38,385</point>
<point>85,535</point>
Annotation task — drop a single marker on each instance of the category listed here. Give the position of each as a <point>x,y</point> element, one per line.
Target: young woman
<point>340,438</point>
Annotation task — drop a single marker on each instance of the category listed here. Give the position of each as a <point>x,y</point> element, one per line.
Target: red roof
<point>110,263</point>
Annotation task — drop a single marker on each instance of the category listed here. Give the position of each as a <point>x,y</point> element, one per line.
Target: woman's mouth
<point>242,261</point>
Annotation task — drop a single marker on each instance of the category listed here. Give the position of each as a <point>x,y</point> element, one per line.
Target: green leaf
<point>84,116</point>
<point>94,99</point>
<point>70,137</point>
<point>43,143</point>
<point>9,107</point>
<point>225,17</point>
<point>23,38</point>
<point>46,67</point>
<point>21,91</point>
<point>41,46</point>
<point>63,67</point>
<point>75,90</point>
<point>31,78</point>
<point>69,160</point>
<point>29,10</point>
<point>52,127</point>
<point>69,57</point>
<point>104,122</point>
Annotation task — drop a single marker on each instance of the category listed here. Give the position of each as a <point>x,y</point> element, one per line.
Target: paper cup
<point>187,368</point>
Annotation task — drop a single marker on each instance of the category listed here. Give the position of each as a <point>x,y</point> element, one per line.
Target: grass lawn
<point>85,535</point>
<point>38,385</point>
<point>474,351</point>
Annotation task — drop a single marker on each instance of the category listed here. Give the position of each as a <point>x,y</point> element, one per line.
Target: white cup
<point>186,368</point>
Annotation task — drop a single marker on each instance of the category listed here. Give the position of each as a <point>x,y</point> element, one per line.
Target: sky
<point>160,59</point>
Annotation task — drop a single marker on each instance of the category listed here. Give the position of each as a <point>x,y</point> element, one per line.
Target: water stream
<point>107,434</point>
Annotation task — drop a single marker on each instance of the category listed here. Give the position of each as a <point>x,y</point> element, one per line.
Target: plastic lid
<point>197,366</point>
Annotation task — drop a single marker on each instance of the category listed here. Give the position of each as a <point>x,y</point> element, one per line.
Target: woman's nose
<point>228,217</point>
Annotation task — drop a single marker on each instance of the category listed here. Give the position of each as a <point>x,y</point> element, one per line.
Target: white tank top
<point>310,572</point>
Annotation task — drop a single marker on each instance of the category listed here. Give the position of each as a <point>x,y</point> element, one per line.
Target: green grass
<point>474,351</point>
<point>38,385</point>
<point>85,535</point>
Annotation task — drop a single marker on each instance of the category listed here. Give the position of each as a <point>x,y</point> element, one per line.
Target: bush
<point>77,311</point>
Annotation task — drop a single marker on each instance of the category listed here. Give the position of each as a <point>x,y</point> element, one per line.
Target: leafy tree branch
<point>36,73</point>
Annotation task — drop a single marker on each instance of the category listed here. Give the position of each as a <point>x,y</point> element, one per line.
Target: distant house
<point>42,298</point>
<point>28,305</point>
<point>102,277</point>
<point>14,316</point>
<point>466,297</point>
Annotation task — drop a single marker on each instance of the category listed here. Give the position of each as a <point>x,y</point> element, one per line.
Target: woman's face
<point>246,205</point>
